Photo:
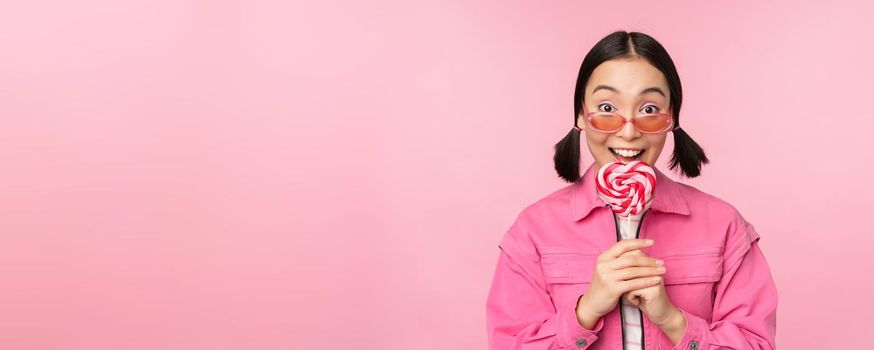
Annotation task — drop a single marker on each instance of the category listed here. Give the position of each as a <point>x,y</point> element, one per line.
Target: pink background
<point>266,175</point>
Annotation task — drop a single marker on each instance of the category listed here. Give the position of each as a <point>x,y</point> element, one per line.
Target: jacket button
<point>581,342</point>
<point>693,345</point>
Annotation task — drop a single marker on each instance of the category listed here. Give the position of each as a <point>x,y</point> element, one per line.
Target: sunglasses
<point>610,122</point>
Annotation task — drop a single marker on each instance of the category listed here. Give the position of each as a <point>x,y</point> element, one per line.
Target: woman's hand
<point>616,273</point>
<point>652,300</point>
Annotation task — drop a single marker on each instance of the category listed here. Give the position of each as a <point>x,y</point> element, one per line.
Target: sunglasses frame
<point>633,121</point>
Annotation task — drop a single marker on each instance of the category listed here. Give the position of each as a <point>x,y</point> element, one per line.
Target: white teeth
<point>627,153</point>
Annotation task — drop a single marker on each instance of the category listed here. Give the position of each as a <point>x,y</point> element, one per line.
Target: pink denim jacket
<point>716,273</point>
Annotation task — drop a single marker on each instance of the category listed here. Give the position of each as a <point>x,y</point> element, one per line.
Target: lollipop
<point>626,188</point>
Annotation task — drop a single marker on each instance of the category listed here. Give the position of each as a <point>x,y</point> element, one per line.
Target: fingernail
<point>656,279</point>
<point>649,241</point>
<point>660,262</point>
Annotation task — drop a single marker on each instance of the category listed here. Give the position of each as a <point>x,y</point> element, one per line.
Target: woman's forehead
<point>628,78</point>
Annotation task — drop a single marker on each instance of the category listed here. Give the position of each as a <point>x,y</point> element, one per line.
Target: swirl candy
<point>626,188</point>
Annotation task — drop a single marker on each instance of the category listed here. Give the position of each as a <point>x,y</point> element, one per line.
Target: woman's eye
<point>648,109</point>
<point>608,107</point>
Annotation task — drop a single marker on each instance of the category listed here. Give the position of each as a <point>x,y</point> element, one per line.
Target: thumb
<point>631,297</point>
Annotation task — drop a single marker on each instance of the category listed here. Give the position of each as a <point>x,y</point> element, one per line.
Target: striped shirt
<point>632,317</point>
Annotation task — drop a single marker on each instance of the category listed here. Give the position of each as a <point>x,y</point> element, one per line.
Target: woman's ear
<point>581,122</point>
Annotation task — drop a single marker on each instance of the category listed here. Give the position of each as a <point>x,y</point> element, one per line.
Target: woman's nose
<point>628,131</point>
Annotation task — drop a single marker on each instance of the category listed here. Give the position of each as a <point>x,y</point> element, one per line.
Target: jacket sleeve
<point>745,302</point>
<point>520,313</point>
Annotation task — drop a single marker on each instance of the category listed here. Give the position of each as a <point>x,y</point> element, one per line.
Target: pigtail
<point>567,156</point>
<point>687,154</point>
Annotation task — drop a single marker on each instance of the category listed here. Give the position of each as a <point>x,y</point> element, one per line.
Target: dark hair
<point>621,44</point>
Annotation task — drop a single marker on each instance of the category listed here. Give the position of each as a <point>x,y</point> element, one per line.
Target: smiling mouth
<point>626,156</point>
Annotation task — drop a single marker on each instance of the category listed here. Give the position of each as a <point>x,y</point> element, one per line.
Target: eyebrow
<point>647,90</point>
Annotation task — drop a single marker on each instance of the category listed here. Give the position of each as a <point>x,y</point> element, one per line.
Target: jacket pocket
<point>567,272</point>
<point>694,266</point>
<point>568,265</point>
<point>691,278</point>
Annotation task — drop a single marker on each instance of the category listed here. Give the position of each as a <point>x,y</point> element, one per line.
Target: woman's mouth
<point>626,155</point>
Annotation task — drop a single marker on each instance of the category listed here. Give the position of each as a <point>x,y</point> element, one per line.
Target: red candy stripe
<point>626,188</point>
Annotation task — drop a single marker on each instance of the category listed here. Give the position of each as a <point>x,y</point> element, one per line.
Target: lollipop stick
<point>628,225</point>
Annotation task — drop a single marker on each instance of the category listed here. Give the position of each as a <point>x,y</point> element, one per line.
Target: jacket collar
<point>584,198</point>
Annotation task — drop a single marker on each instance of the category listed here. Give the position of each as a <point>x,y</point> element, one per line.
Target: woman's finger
<point>632,298</point>
<point>634,260</point>
<point>637,283</point>
<point>637,272</point>
<point>623,246</point>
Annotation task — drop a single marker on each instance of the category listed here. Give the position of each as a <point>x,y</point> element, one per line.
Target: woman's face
<point>630,87</point>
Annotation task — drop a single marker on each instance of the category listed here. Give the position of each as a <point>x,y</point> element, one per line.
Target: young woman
<point>688,275</point>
